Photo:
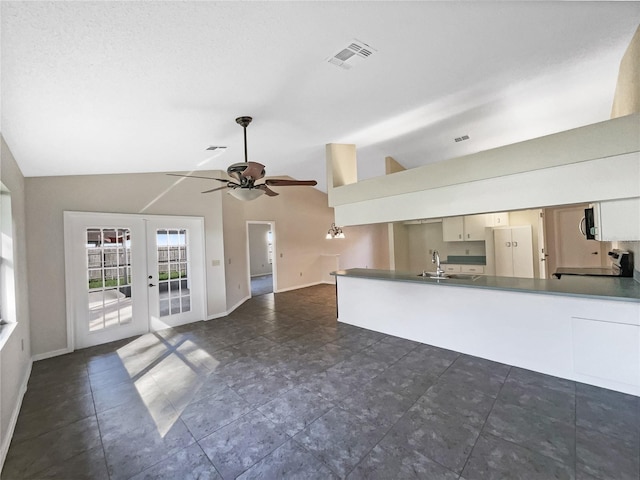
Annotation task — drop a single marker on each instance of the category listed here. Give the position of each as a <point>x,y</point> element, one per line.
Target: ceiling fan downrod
<point>244,122</point>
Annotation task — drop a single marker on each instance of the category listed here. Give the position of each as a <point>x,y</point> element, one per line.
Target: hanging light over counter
<point>334,232</point>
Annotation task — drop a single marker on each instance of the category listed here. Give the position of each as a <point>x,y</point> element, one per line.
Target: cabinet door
<point>499,219</point>
<point>503,252</point>
<point>453,229</point>
<point>474,227</point>
<point>522,244</point>
<point>617,220</point>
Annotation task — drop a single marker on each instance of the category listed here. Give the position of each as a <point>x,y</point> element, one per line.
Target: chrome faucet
<point>436,260</point>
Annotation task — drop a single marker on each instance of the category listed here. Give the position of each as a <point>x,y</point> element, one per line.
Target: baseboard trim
<point>6,442</point>
<point>297,287</point>
<point>54,353</point>
<point>224,314</point>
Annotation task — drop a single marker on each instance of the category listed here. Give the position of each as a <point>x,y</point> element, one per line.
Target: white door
<point>513,252</point>
<point>522,247</point>
<point>175,253</point>
<point>503,253</point>
<point>107,272</point>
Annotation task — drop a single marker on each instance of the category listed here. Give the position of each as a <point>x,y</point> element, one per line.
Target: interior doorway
<point>130,274</point>
<point>566,244</point>
<point>261,258</point>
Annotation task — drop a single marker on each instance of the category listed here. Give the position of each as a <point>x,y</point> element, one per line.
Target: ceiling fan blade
<point>276,182</point>
<point>215,189</point>
<point>266,190</point>
<point>196,176</point>
<point>254,170</point>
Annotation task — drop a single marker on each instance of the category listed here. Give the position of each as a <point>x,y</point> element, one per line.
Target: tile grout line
<point>95,412</point>
<point>407,411</point>
<point>486,420</point>
<point>510,442</point>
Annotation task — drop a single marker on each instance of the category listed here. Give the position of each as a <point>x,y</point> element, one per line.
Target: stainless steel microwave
<point>588,224</point>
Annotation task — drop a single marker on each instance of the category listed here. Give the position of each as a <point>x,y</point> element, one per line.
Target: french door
<point>130,274</point>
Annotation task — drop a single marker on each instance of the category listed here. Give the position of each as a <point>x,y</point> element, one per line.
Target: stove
<point>621,266</point>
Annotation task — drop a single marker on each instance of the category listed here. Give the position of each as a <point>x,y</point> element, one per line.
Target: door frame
<point>69,264</point>
<point>274,267</point>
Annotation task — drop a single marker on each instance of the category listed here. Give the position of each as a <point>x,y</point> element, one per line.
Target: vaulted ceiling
<point>119,87</point>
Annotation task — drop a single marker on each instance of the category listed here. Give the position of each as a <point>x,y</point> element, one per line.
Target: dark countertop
<point>609,288</point>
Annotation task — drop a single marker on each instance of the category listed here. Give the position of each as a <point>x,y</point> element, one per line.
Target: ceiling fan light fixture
<point>246,194</point>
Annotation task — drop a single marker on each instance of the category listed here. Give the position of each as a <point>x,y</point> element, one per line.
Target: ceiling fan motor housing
<point>244,121</point>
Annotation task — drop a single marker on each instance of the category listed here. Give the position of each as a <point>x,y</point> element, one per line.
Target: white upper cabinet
<point>453,229</point>
<point>500,219</point>
<point>617,220</point>
<point>470,228</point>
<point>474,226</point>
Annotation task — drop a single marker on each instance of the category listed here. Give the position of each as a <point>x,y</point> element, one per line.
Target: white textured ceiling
<point>117,87</point>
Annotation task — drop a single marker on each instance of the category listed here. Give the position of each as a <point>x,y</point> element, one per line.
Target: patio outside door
<point>130,274</point>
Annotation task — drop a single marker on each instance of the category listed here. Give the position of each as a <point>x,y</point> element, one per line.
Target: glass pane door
<point>173,272</point>
<point>175,255</point>
<point>106,269</point>
<point>109,277</point>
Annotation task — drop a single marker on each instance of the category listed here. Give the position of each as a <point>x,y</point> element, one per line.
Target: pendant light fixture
<point>334,232</point>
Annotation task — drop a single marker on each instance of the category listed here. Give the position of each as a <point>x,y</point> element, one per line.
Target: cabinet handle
<point>459,235</point>
<point>515,244</point>
<point>508,244</point>
<point>468,235</point>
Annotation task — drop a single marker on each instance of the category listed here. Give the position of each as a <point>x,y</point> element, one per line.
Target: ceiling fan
<point>246,174</point>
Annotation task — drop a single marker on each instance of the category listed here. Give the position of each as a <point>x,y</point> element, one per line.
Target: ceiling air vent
<point>352,54</point>
<point>462,138</point>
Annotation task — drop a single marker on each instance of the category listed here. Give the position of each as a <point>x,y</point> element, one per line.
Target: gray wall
<point>49,197</point>
<point>15,360</point>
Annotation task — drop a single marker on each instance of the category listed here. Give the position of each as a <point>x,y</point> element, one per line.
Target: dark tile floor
<point>280,390</point>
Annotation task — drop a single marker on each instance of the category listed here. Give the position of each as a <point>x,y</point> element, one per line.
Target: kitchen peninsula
<point>582,329</point>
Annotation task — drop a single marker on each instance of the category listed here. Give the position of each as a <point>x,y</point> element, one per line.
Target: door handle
<point>151,285</point>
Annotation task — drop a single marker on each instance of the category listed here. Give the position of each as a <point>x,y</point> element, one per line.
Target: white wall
<point>15,359</point>
<point>303,256</point>
<point>259,249</point>
<point>48,197</point>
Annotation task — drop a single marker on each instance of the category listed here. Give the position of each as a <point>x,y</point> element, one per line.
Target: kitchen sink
<point>453,276</point>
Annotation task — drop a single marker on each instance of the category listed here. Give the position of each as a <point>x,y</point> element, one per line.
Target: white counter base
<point>586,340</point>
